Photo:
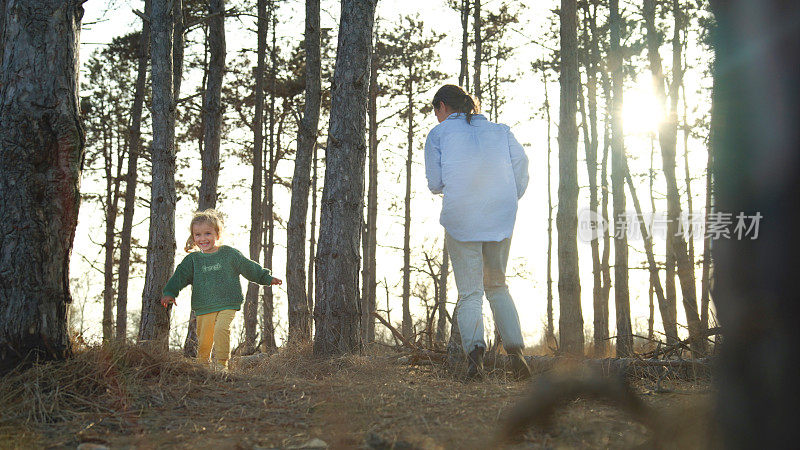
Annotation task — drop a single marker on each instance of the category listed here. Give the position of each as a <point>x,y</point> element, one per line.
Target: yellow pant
<point>214,330</point>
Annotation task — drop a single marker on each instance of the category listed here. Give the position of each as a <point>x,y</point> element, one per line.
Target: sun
<point>641,111</point>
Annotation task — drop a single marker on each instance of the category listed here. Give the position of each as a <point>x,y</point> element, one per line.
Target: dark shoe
<point>475,367</point>
<point>519,367</point>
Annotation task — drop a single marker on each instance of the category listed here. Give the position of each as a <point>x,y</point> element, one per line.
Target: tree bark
<point>299,313</point>
<point>131,179</point>
<point>250,306</point>
<point>161,243</point>
<point>41,155</point>
<point>337,311</point>
<point>570,321</point>
<point>212,107</point>
<point>621,294</point>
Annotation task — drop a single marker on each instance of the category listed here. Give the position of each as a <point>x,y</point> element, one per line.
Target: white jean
<point>480,267</point>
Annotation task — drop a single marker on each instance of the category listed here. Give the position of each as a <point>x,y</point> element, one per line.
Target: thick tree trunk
<point>250,307</point>
<point>161,243</point>
<point>41,154</point>
<point>131,180</point>
<point>667,137</point>
<point>368,303</point>
<point>621,295</point>
<point>212,107</point>
<point>570,320</point>
<point>755,144</point>
<point>299,313</point>
<point>337,311</point>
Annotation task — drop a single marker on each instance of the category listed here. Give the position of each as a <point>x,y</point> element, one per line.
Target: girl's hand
<point>276,281</point>
<point>167,300</point>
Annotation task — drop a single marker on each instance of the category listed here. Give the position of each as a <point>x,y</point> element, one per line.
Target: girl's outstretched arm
<point>253,270</point>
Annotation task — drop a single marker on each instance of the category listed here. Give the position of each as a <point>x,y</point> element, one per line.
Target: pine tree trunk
<point>111,212</point>
<point>299,313</point>
<point>407,325</point>
<point>313,236</point>
<point>705,281</point>
<point>441,326</point>
<point>621,294</point>
<point>337,310</point>
<point>368,305</point>
<point>154,324</point>
<point>476,22</point>
<point>463,74</point>
<point>550,333</point>
<point>667,136</point>
<point>250,307</point>
<point>570,321</point>
<point>41,154</point>
<point>592,57</point>
<point>131,180</point>
<point>212,107</point>
<point>605,267</point>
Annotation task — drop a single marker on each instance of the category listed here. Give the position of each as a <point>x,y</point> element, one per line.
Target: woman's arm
<point>519,162</point>
<point>433,163</point>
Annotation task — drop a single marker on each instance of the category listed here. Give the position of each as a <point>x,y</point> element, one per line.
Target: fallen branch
<point>396,333</point>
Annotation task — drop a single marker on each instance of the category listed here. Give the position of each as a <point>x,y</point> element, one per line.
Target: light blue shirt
<point>481,170</point>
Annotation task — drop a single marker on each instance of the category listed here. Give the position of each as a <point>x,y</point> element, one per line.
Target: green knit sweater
<point>215,279</point>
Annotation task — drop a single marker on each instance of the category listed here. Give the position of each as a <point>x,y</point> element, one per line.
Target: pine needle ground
<point>134,397</point>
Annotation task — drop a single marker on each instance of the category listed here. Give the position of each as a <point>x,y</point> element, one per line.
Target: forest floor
<point>129,397</point>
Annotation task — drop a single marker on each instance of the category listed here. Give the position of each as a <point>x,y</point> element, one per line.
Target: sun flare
<point>641,111</point>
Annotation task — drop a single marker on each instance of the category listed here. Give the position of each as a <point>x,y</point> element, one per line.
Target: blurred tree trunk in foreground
<point>756,145</point>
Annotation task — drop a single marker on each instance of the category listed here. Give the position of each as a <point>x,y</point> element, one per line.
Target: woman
<point>481,170</point>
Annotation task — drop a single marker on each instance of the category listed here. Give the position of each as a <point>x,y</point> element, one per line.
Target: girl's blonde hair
<point>209,216</point>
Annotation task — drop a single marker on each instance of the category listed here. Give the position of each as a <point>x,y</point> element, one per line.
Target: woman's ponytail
<point>457,99</point>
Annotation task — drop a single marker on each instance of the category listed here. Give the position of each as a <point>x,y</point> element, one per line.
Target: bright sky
<point>522,113</point>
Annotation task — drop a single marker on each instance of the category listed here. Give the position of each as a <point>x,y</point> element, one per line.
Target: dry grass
<point>131,396</point>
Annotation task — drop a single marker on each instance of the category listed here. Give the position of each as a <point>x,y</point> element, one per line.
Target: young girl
<point>213,273</point>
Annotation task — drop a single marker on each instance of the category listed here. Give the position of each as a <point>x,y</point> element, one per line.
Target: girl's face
<point>205,237</point>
